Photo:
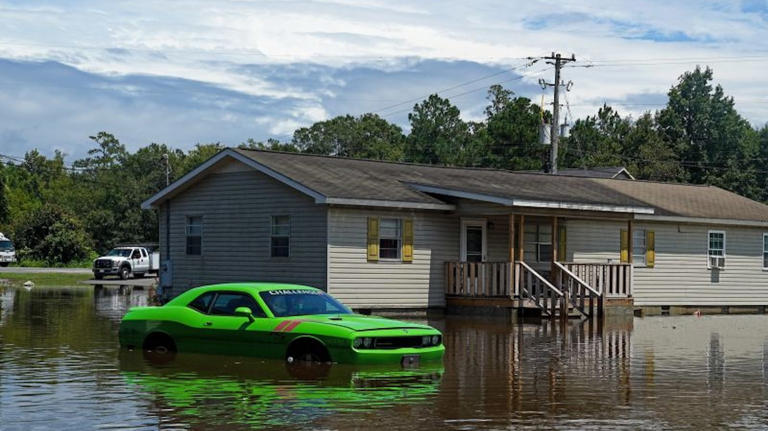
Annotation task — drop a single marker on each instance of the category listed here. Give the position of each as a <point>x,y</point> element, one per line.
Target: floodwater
<point>61,368</point>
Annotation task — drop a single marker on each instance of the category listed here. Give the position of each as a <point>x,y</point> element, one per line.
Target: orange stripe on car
<point>282,325</point>
<point>292,326</point>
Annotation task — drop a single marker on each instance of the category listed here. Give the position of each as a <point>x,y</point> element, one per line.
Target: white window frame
<point>482,223</point>
<point>765,251</point>
<point>273,235</point>
<point>399,240</point>
<point>645,248</point>
<point>537,243</point>
<point>187,235</point>
<point>724,256</point>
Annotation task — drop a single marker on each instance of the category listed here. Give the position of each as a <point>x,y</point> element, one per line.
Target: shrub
<point>53,235</point>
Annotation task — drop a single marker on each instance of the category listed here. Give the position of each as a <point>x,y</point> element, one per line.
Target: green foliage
<point>51,234</point>
<point>438,134</point>
<point>367,137</point>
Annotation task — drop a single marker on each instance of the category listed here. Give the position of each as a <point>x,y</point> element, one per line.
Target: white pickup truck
<point>7,251</point>
<point>127,261</point>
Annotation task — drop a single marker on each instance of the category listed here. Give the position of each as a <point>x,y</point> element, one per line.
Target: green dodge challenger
<point>280,321</point>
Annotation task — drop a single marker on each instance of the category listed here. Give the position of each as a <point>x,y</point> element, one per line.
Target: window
<point>136,254</point>
<point>765,251</point>
<point>194,236</point>
<point>390,235</point>
<point>227,302</point>
<point>281,236</point>
<point>716,249</point>
<point>538,241</point>
<point>143,253</point>
<point>203,302</point>
<point>638,247</point>
<point>301,302</point>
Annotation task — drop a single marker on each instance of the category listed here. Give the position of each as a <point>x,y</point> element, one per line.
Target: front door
<point>473,240</point>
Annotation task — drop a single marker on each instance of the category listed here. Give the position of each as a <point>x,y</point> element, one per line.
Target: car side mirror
<point>244,312</point>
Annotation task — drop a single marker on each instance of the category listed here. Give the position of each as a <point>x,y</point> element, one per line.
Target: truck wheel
<point>124,273</point>
<point>98,276</point>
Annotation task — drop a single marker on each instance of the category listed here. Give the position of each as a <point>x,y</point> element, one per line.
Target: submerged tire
<point>159,348</point>
<point>307,350</point>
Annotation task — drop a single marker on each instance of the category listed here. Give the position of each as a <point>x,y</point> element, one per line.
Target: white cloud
<point>213,42</point>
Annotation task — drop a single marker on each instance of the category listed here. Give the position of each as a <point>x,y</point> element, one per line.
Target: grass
<point>33,263</point>
<point>46,279</point>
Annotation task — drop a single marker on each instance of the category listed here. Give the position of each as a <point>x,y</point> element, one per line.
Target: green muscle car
<point>281,321</point>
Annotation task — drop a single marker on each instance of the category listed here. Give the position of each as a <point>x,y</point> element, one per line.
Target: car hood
<point>358,322</point>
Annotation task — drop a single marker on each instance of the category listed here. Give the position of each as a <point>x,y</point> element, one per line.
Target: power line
<point>474,90</point>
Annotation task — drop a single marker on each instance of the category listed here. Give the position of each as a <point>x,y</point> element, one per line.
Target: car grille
<point>396,342</point>
<point>103,263</point>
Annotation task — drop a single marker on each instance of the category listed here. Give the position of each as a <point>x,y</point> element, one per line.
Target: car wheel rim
<point>161,349</point>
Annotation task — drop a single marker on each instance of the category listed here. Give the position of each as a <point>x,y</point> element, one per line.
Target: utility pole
<point>558,61</point>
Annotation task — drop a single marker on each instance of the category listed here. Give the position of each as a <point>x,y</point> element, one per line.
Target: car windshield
<point>300,302</point>
<point>122,252</point>
<point>6,245</point>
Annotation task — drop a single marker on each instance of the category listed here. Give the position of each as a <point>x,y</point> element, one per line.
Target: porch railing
<point>532,285</point>
<point>583,297</point>
<point>613,280</point>
<point>478,279</point>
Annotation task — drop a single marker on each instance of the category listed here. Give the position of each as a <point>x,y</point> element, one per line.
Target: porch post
<point>511,258</point>
<point>520,237</point>
<point>629,241</point>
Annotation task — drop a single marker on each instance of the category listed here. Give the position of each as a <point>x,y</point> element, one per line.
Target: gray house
<point>383,235</point>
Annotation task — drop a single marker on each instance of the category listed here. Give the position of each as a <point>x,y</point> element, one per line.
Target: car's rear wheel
<point>124,273</point>
<point>307,350</point>
<point>159,348</point>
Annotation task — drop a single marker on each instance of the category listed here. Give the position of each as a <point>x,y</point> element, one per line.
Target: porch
<point>539,271</point>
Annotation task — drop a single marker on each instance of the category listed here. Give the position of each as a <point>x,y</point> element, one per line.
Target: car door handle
<point>207,323</point>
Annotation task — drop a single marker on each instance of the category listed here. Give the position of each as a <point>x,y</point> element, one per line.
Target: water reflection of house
<point>395,235</point>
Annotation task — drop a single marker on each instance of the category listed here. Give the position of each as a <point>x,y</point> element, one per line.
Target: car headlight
<point>114,263</point>
<point>357,343</point>
<point>367,342</point>
<point>425,340</point>
<point>435,340</point>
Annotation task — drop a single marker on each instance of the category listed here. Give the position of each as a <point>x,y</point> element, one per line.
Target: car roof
<point>250,287</point>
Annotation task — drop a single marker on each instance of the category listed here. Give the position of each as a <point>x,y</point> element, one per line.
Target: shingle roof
<point>596,172</point>
<point>336,177</point>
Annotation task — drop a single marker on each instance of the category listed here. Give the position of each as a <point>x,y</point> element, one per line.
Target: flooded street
<point>61,368</point>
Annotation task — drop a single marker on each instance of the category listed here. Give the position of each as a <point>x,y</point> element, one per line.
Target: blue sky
<point>183,72</point>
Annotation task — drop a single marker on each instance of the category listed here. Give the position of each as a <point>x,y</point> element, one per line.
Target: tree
<point>512,132</point>
<point>716,145</point>
<point>438,134</point>
<point>53,235</point>
<point>271,145</point>
<point>4,210</point>
<point>367,137</point>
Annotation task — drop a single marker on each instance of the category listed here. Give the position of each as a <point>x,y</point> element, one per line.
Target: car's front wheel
<point>124,273</point>
<point>307,350</point>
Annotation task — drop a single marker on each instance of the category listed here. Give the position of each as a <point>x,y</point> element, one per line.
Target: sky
<point>185,72</point>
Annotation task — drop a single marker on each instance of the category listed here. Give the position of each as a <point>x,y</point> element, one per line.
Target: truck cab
<point>7,251</point>
<point>126,261</point>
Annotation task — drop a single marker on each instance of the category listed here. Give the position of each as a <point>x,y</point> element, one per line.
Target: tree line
<point>58,213</point>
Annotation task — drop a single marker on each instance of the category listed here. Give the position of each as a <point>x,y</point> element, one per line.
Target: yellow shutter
<point>561,245</point>
<point>624,246</point>
<point>373,239</point>
<point>650,248</point>
<point>407,251</point>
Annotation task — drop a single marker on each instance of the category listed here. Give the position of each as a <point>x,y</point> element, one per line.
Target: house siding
<point>236,206</point>
<point>390,284</point>
<point>681,276</point>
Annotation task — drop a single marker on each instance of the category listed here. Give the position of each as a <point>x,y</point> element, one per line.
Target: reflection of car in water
<point>245,390</point>
<point>280,321</point>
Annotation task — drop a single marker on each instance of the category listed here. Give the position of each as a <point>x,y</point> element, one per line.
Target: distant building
<point>398,235</point>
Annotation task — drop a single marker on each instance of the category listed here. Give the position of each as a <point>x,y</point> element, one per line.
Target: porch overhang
<point>531,203</point>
